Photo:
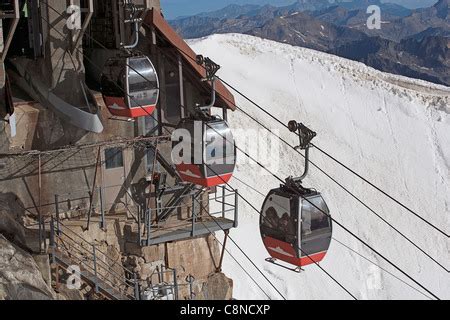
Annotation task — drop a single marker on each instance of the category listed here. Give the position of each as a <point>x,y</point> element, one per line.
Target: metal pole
<point>161,274</point>
<point>52,229</point>
<point>41,221</point>
<point>223,202</point>
<point>102,209</point>
<point>57,213</point>
<point>149,224</point>
<point>52,240</point>
<point>91,194</point>
<point>139,224</point>
<point>305,173</point>
<point>95,268</point>
<point>194,216</point>
<point>158,270</point>
<point>236,208</point>
<point>40,232</point>
<point>137,295</point>
<point>219,268</point>
<point>175,283</point>
<point>180,76</point>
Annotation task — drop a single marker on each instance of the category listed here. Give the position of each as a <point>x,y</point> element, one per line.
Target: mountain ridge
<point>403,44</point>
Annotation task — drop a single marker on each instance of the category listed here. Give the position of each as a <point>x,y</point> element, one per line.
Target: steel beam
<point>15,17</point>
<point>86,22</point>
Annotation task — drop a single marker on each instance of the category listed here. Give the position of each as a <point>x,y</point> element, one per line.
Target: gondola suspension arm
<point>305,136</point>
<point>211,69</point>
<point>135,20</point>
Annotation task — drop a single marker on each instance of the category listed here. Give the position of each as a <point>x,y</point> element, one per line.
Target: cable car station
<point>87,153</point>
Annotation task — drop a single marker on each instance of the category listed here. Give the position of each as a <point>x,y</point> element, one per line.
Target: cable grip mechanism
<point>211,69</point>
<point>305,136</point>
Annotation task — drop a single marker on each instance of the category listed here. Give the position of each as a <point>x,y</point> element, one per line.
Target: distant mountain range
<point>414,43</point>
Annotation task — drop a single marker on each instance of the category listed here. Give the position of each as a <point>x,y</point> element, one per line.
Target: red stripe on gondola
<point>195,176</point>
<point>281,250</point>
<point>217,180</point>
<point>313,258</point>
<point>285,252</point>
<point>193,169</point>
<point>143,111</point>
<point>207,182</point>
<point>118,107</point>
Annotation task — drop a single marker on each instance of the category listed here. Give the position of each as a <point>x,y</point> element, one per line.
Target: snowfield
<point>393,130</point>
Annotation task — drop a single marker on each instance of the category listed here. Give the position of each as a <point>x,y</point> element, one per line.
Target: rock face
<point>180,256</point>
<point>195,259</point>
<point>217,287</point>
<point>11,228</point>
<point>25,274</point>
<point>20,277</point>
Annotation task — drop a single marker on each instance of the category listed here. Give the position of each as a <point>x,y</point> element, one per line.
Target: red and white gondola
<point>212,151</point>
<point>295,223</point>
<point>130,86</point>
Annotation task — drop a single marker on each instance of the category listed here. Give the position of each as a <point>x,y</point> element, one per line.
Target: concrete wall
<point>62,172</point>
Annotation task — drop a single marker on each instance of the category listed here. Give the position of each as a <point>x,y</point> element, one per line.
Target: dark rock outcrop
<point>20,277</point>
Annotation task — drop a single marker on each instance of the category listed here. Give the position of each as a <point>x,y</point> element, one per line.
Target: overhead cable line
<point>316,263</point>
<point>352,195</point>
<point>318,148</point>
<point>240,265</point>
<point>380,267</point>
<point>329,216</point>
<point>325,173</point>
<point>344,245</point>
<point>342,226</point>
<point>379,189</point>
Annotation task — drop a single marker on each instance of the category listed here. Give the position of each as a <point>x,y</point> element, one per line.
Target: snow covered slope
<point>393,130</point>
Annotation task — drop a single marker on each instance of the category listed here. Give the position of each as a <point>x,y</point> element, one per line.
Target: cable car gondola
<point>212,149</point>
<point>295,223</point>
<point>130,86</point>
<point>295,227</point>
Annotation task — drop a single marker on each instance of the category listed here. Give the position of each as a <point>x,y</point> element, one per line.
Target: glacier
<point>393,130</point>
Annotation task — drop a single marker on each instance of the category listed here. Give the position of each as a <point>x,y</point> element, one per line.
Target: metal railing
<point>227,207</point>
<point>65,243</point>
<point>164,285</point>
<point>224,197</point>
<point>86,203</point>
<point>222,203</point>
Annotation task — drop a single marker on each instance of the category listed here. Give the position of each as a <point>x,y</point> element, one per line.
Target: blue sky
<point>175,8</point>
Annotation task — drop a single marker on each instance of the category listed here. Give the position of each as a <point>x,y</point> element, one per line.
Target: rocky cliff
<point>20,276</point>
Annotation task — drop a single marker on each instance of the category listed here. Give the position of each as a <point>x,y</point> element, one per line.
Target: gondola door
<point>142,86</point>
<point>279,221</point>
<point>219,153</point>
<point>130,86</point>
<point>315,229</point>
